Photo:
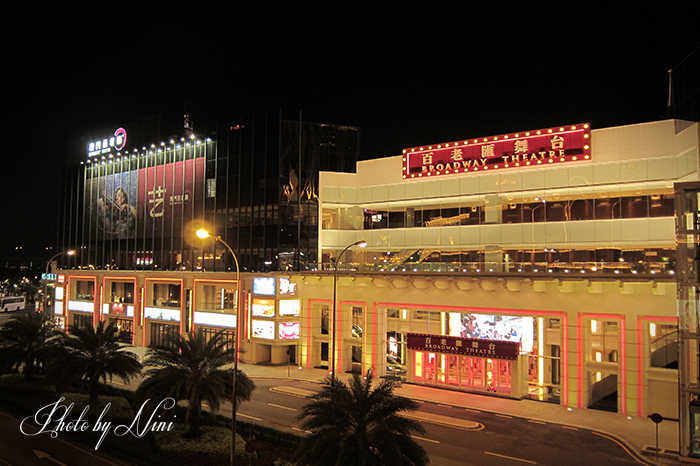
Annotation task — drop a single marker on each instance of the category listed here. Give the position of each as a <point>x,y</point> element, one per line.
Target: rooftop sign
<point>529,148</point>
<point>105,146</point>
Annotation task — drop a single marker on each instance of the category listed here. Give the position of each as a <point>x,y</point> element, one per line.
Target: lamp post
<point>46,276</point>
<point>359,244</point>
<point>205,234</point>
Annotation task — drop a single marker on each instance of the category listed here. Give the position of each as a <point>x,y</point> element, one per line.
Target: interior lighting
<point>652,329</point>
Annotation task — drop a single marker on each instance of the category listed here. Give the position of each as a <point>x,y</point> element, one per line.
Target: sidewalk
<point>634,433</point>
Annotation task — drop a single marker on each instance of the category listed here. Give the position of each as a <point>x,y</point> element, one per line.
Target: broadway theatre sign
<point>493,349</point>
<point>543,147</point>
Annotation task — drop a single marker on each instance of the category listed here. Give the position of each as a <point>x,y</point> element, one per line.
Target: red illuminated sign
<point>494,349</point>
<point>529,148</point>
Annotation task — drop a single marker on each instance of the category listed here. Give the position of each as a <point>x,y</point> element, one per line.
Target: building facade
<point>536,265</point>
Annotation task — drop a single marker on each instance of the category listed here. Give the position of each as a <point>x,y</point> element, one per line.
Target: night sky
<point>405,75</point>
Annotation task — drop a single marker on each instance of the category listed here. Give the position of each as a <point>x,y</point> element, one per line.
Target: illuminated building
<point>536,264</point>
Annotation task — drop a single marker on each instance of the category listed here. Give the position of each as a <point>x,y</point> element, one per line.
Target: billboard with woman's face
<point>145,202</point>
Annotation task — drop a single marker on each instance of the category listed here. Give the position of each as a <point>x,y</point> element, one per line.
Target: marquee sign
<point>494,349</point>
<point>105,146</point>
<point>529,148</point>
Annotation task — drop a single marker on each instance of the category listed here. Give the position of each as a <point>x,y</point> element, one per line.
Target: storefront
<point>487,366</point>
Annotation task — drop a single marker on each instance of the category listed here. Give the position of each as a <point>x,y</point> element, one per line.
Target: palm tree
<point>192,369</point>
<point>88,355</point>
<point>354,424</point>
<point>27,341</point>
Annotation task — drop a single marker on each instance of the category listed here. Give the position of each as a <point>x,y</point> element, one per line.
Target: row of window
<point>658,205</point>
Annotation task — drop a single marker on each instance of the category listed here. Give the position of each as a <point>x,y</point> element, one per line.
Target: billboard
<point>167,194</point>
<point>529,148</point>
<point>517,329</point>
<point>113,201</point>
<point>144,202</point>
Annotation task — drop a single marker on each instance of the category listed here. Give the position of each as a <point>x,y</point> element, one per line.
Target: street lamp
<point>205,234</point>
<point>359,244</point>
<point>46,276</point>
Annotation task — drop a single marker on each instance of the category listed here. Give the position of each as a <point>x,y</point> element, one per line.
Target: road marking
<point>570,428</point>
<point>40,454</point>
<point>536,422</point>
<point>472,410</point>
<point>283,407</point>
<point>249,417</point>
<point>623,446</point>
<point>504,416</point>
<point>510,457</point>
<point>445,406</point>
<point>302,430</point>
<point>424,439</point>
<point>292,391</point>
<point>444,420</point>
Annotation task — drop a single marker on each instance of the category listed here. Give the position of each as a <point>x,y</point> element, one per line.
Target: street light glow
<point>202,233</point>
<point>359,244</point>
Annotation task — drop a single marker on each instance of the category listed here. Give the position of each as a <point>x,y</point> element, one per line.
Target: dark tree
<point>26,341</point>
<point>88,355</point>
<point>192,369</point>
<point>355,424</point>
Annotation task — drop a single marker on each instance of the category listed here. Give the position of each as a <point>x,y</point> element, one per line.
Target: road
<point>17,449</point>
<point>454,436</point>
<point>457,436</point>
<point>5,316</point>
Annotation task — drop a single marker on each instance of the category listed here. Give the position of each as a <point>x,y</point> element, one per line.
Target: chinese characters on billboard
<point>529,148</point>
<point>144,202</point>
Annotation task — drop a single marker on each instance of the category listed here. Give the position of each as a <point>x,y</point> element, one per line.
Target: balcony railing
<point>648,270</point>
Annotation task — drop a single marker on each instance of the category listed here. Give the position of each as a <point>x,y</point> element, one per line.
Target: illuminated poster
<point>112,206</point>
<point>264,285</point>
<point>263,307</point>
<point>287,287</point>
<point>290,307</point>
<point>493,327</point>
<point>167,195</point>
<point>289,330</point>
<point>263,329</point>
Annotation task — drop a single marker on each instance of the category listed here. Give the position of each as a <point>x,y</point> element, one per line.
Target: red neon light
<point>374,332</point>
<point>623,357</point>
<point>529,148</point>
<point>117,133</point>
<point>640,356</point>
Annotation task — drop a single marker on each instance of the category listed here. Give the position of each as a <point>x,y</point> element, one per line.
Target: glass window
<point>663,345</point>
<point>358,322</point>
<point>325,319</point>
